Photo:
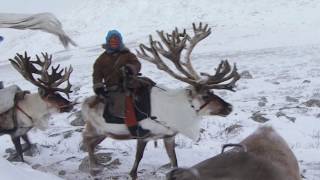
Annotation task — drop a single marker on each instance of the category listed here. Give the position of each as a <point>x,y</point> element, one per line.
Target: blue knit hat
<point>114,33</point>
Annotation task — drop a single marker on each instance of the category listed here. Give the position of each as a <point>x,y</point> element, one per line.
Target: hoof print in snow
<point>312,103</point>
<point>258,117</point>
<point>103,160</point>
<point>78,120</point>
<point>292,99</point>
<point>246,75</point>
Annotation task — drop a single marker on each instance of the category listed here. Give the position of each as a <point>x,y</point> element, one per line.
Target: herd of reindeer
<point>263,155</point>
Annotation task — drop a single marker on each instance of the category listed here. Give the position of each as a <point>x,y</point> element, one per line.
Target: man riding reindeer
<point>112,73</point>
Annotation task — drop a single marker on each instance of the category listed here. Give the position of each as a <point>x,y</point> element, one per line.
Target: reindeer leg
<point>141,145</point>
<point>17,145</point>
<point>169,144</point>
<point>26,139</point>
<point>91,142</point>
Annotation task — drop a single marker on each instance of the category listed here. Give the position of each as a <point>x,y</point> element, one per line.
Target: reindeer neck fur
<point>35,107</point>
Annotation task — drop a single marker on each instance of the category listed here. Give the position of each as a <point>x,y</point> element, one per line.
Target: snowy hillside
<point>275,41</point>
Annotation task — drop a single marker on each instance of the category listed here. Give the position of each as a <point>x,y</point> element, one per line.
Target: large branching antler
<point>49,82</point>
<point>172,46</point>
<point>156,59</point>
<point>224,73</point>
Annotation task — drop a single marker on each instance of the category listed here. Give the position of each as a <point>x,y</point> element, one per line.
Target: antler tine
<point>44,66</point>
<point>46,81</point>
<point>199,34</point>
<point>62,78</point>
<point>175,43</point>
<point>223,74</point>
<point>175,46</point>
<point>157,60</point>
<point>25,67</point>
<point>223,69</point>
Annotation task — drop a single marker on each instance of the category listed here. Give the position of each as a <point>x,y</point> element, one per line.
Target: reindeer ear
<point>42,92</point>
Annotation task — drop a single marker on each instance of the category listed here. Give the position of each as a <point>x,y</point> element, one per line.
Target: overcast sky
<point>34,6</point>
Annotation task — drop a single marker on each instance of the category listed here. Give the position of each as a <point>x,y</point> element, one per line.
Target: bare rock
<point>282,114</point>
<point>262,101</point>
<point>312,103</point>
<point>67,134</point>
<point>291,99</point>
<point>261,104</point>
<point>114,164</point>
<point>36,166</point>
<point>258,117</point>
<point>78,120</point>
<point>62,173</point>
<point>233,129</point>
<point>246,75</point>
<point>102,159</point>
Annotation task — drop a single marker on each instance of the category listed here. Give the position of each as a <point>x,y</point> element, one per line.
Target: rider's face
<point>114,42</point>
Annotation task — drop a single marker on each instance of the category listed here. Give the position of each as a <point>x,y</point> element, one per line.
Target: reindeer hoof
<point>15,158</point>
<point>96,170</point>
<point>133,175</point>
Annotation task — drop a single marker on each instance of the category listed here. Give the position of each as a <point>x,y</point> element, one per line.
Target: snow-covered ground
<point>276,41</point>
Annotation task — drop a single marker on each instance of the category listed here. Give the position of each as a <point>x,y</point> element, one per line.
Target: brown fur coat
<point>106,69</point>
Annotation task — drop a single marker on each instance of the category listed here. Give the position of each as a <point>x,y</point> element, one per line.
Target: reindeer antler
<point>49,82</point>
<point>175,43</point>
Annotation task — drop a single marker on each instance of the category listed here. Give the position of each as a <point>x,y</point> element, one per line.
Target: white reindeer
<point>175,110</point>
<point>33,110</point>
<point>264,155</point>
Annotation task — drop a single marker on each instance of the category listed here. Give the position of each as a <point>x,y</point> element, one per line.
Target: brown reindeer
<point>264,155</point>
<point>33,110</point>
<point>171,109</point>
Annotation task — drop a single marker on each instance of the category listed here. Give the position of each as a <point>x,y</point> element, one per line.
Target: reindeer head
<point>47,83</point>
<point>200,93</point>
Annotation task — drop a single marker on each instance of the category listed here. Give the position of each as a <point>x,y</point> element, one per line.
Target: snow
<point>275,40</point>
<point>9,171</point>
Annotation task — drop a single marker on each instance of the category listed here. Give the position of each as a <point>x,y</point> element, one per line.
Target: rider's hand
<point>127,70</point>
<point>101,92</point>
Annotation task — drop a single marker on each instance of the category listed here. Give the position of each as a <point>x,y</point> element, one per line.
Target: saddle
<point>7,97</point>
<point>140,89</point>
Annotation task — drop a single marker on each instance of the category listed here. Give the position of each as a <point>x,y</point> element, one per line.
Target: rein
<point>202,106</point>
<point>20,109</point>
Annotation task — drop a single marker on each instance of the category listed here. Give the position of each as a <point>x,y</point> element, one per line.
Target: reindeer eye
<point>205,97</point>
